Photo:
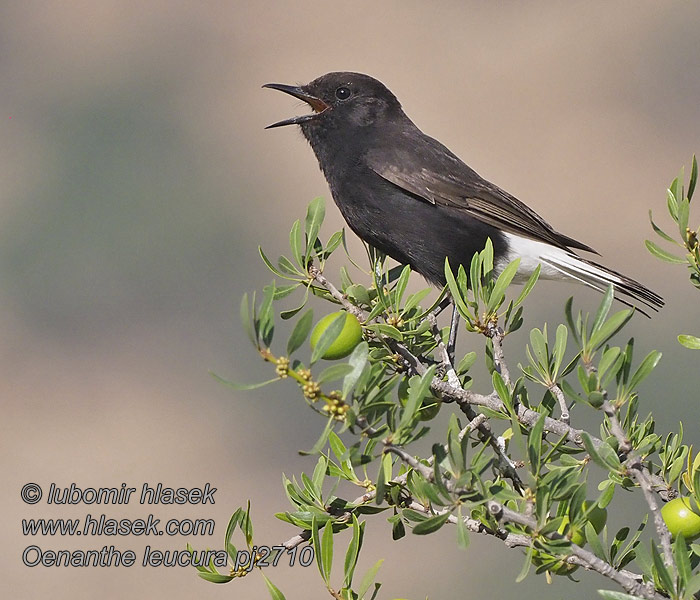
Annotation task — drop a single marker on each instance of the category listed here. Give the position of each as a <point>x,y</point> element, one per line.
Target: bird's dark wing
<point>437,176</point>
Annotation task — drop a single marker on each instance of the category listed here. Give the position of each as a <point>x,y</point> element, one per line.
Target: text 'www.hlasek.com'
<point>157,496</point>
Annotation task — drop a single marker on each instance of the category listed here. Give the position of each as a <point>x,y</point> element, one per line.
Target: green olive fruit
<point>345,343</point>
<point>682,516</point>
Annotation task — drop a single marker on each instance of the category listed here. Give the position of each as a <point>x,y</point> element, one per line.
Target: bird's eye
<point>343,93</point>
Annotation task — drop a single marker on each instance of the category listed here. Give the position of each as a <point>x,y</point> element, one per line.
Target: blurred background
<point>137,182</point>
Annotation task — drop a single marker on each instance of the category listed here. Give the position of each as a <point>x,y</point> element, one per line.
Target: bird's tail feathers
<point>599,277</point>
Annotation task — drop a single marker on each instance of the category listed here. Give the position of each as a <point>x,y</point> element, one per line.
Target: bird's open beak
<point>315,103</point>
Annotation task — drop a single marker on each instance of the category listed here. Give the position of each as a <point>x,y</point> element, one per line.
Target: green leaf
<point>663,254</point>
<point>526,565</point>
<point>528,286</point>
<point>693,585</point>
<point>431,524</point>
<point>300,332</point>
<point>358,360</point>
<point>455,292</point>
<point>467,361</point>
<point>603,309</point>
<point>284,290</point>
<point>683,213</point>
<point>246,321</point>
<point>672,197</point>
<point>568,311</point>
<point>401,285</point>
<point>681,557</point>
<point>333,243</point>
<point>316,541</point>
<point>327,551</point>
<point>417,392</point>
<point>328,337</point>
<point>334,372</point>
<point>645,369</point>
<point>386,330</point>
<point>368,579</point>
<point>462,533</point>
<point>593,453</point>
<point>486,256</point>
<point>269,265</point>
<point>689,341</point>
<point>534,445</point>
<point>296,242</point>
<point>336,444</point>
<point>693,178</point>
<point>559,348</point>
<point>593,539</point>
<point>352,552</point>
<point>232,522</point>
<point>315,214</point>
<point>247,525</point>
<point>659,231</point>
<point>610,328</point>
<point>287,266</point>
<point>499,289</point>
<point>272,588</point>
<point>609,358</point>
<point>609,457</point>
<point>265,317</point>
<point>242,386</point>
<point>415,299</point>
<point>502,390</point>
<point>288,314</point>
<point>538,343</point>
<point>215,577</point>
<point>661,570</point>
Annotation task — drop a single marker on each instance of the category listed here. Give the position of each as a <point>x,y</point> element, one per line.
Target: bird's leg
<point>452,340</point>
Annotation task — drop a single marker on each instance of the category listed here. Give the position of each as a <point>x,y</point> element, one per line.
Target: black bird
<point>409,196</point>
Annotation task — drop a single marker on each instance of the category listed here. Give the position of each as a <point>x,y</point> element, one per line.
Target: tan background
<point>137,182</point>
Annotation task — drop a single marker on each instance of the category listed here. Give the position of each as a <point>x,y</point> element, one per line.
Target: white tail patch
<point>558,263</point>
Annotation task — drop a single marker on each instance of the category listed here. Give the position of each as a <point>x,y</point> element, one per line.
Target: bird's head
<point>340,100</point>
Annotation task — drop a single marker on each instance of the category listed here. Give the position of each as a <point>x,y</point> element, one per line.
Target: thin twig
<point>638,471</point>
<point>559,395</point>
<point>510,539</point>
<point>497,334</point>
<point>443,353</point>
<point>630,584</point>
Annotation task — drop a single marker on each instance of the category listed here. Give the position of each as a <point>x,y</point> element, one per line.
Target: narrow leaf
<point>243,386</point>
<point>368,579</point>
<point>645,368</point>
<point>275,594</point>
<point>352,553</point>
<point>610,328</point>
<point>528,286</point>
<point>689,341</point>
<point>431,524</point>
<point>358,360</point>
<point>603,309</point>
<point>300,331</point>
<point>327,551</point>
<point>501,285</point>
<point>662,254</point>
